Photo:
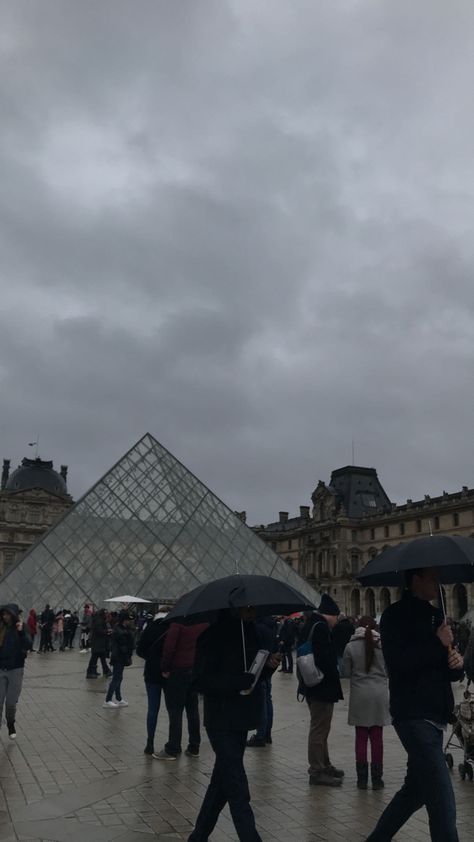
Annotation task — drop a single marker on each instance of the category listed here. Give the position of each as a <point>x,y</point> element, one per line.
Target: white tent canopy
<point>128,599</point>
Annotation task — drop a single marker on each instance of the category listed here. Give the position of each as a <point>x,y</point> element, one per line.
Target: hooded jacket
<point>14,644</point>
<point>417,662</point>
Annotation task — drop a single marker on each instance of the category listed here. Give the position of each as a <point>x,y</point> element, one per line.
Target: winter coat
<point>121,646</point>
<point>99,639</point>
<point>325,657</point>
<point>417,662</point>
<point>32,622</point>
<point>341,635</point>
<point>220,675</point>
<point>15,644</point>
<point>150,647</point>
<point>368,700</point>
<point>287,633</point>
<point>267,634</point>
<point>179,650</point>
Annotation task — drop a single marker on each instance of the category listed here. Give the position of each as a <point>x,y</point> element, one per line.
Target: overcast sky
<point>244,226</point>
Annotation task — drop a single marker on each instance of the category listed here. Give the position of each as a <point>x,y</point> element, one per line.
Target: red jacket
<point>179,650</point>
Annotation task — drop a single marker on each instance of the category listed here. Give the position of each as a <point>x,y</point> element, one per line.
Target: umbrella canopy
<point>269,596</point>
<point>452,556</point>
<point>127,599</point>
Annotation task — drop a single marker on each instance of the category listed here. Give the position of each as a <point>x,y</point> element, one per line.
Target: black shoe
<point>256,742</point>
<point>377,772</point>
<point>11,730</point>
<point>107,675</point>
<point>362,768</point>
<point>323,779</point>
<point>91,675</point>
<point>149,748</point>
<point>192,751</point>
<point>268,739</point>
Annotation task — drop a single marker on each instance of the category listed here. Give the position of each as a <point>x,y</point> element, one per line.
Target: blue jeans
<point>228,785</point>
<point>153,692</point>
<point>266,720</point>
<point>427,783</point>
<point>115,683</point>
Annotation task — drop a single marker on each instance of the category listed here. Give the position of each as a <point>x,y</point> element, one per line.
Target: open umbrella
<point>452,556</point>
<point>129,600</point>
<point>267,595</point>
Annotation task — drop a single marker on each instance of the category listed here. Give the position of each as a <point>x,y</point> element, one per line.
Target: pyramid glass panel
<point>150,528</point>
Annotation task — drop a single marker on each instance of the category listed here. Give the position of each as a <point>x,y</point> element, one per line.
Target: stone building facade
<point>32,499</point>
<point>351,520</point>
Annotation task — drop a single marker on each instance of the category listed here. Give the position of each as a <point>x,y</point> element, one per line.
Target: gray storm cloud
<point>245,227</point>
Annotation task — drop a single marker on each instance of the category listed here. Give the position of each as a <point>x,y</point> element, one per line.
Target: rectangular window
<point>386,531</point>
<point>372,534</point>
<point>455,519</point>
<point>401,528</point>
<point>436,522</point>
<point>418,525</point>
<point>289,544</point>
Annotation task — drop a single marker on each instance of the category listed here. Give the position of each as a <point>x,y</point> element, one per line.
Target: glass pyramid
<point>149,528</point>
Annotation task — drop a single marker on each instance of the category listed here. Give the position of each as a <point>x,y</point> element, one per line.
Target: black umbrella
<point>452,556</point>
<point>267,595</point>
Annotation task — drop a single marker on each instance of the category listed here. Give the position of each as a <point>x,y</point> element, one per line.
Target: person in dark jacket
<point>15,643</point>
<point>341,635</point>
<point>267,634</point>
<point>177,663</point>
<point>46,624</point>
<point>100,645</point>
<point>150,647</point>
<point>122,643</point>
<point>321,699</point>
<point>416,643</point>
<point>221,670</point>
<point>286,640</point>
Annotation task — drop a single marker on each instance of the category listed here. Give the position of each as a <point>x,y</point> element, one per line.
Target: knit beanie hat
<point>328,606</point>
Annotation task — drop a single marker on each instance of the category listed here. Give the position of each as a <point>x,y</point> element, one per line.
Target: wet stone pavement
<point>77,772</point>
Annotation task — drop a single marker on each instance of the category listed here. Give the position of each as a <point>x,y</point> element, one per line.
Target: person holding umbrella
<point>421,664</point>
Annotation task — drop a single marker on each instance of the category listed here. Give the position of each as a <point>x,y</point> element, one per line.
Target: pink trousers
<point>375,735</point>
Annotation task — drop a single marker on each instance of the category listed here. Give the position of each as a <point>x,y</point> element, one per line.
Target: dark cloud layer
<point>245,227</point>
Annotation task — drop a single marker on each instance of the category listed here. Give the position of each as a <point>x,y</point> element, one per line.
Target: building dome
<point>34,473</point>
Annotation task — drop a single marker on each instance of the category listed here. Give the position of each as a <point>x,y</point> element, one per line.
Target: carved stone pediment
<point>324,503</point>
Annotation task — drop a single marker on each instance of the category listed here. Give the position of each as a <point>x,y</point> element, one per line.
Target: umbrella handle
<point>243,645</point>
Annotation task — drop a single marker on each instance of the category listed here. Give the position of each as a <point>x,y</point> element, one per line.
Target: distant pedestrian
<point>100,644</point>
<point>15,643</point>
<point>341,635</point>
<point>60,630</point>
<point>267,634</point>
<point>286,639</point>
<point>122,642</point>
<point>46,624</point>
<point>179,652</point>
<point>32,626</point>
<point>363,663</point>
<point>86,623</point>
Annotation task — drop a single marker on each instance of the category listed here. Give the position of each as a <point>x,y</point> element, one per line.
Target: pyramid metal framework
<point>149,527</point>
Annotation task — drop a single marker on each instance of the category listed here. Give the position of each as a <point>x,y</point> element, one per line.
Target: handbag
<point>309,674</point>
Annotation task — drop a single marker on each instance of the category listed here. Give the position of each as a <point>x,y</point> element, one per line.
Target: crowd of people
<point>400,673</point>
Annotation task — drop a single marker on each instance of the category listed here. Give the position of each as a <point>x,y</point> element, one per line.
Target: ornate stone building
<point>351,520</point>
<point>32,498</point>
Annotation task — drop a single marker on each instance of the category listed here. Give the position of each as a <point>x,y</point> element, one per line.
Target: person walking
<point>416,643</point>
<point>321,698</point>
<point>100,645</point>
<point>228,716</point>
<point>46,625</point>
<point>122,643</point>
<point>15,642</point>
<point>363,663</point>
<point>177,662</point>
<point>32,626</point>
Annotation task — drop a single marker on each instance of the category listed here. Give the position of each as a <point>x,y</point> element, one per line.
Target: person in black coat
<point>286,640</point>
<point>100,644</point>
<point>267,633</point>
<point>421,664</point>
<point>150,647</point>
<point>15,642</point>
<point>341,635</point>
<point>321,699</point>
<point>221,674</point>
<point>122,645</point>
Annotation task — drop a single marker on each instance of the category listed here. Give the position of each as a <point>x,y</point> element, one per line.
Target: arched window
<point>385,599</point>
<point>355,602</point>
<point>370,602</point>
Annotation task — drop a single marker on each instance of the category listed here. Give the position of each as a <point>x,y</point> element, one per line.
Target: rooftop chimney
<point>5,473</point>
<point>283,517</point>
<point>304,511</point>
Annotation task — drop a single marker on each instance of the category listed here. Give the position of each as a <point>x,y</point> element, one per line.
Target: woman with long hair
<point>363,663</point>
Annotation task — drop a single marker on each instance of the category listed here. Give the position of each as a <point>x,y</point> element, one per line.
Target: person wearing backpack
<point>322,697</point>
<point>150,647</point>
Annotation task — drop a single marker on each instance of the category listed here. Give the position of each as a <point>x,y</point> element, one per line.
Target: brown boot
<point>362,774</point>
